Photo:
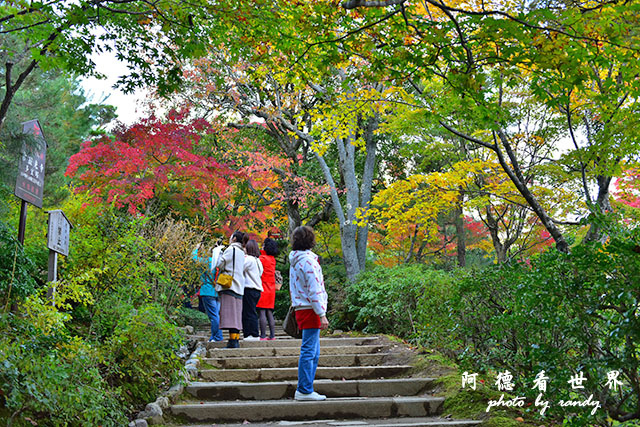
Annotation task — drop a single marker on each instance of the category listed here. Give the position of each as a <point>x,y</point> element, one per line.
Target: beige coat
<point>226,265</point>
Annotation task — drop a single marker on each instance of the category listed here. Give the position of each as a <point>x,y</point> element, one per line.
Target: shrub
<point>335,280</point>
<point>139,357</point>
<point>108,312</point>
<point>107,346</point>
<point>391,300</point>
<point>564,314</point>
<point>173,242</point>
<point>189,316</point>
<point>16,268</point>
<point>52,379</point>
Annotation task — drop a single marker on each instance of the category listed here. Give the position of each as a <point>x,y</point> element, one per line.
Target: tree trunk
<point>461,241</point>
<point>492,224</point>
<point>349,252</point>
<point>293,214</point>
<point>353,240</point>
<point>347,226</point>
<point>602,205</point>
<point>346,154</point>
<point>515,174</point>
<point>365,190</point>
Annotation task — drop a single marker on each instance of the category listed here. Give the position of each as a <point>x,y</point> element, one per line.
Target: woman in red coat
<point>268,298</point>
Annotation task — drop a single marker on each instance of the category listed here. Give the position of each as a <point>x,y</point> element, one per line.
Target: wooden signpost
<point>58,243</point>
<point>30,180</point>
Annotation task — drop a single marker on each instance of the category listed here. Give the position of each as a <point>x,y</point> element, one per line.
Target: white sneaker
<point>310,396</point>
<point>250,338</point>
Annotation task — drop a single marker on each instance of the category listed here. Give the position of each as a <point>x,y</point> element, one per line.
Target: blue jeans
<point>308,362</point>
<point>212,308</point>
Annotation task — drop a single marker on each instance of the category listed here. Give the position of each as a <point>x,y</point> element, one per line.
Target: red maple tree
<point>191,166</point>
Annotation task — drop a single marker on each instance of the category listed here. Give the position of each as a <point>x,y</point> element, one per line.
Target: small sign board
<point>30,181</point>
<point>58,233</point>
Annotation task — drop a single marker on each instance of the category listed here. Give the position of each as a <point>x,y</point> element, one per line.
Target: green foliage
<point>16,268</point>
<point>189,316</point>
<point>562,313</point>
<point>283,298</point>
<point>47,375</point>
<point>391,300</point>
<point>146,260</point>
<point>107,345</point>
<point>139,357</point>
<point>108,311</point>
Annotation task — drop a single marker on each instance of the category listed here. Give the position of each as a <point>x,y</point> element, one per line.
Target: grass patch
<point>467,403</point>
<point>189,316</point>
<point>206,366</point>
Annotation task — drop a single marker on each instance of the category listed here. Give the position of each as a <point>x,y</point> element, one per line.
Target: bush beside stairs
<point>366,379</point>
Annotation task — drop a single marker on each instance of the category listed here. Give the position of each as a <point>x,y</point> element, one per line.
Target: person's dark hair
<point>251,248</point>
<point>303,238</point>
<point>238,236</point>
<point>270,247</point>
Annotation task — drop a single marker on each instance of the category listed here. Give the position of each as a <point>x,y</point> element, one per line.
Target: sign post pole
<point>52,275</point>
<point>23,221</point>
<point>57,242</point>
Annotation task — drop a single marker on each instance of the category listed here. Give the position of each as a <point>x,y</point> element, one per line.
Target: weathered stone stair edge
<point>286,389</point>
<point>335,360</point>
<point>292,351</point>
<point>266,410</point>
<point>279,374</point>
<point>296,342</point>
<point>386,422</point>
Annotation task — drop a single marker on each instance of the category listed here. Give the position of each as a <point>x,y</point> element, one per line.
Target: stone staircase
<point>364,380</point>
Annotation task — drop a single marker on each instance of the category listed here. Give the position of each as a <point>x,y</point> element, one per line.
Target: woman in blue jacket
<point>210,298</point>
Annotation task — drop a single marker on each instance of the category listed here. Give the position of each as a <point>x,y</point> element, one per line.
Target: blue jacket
<point>208,287</point>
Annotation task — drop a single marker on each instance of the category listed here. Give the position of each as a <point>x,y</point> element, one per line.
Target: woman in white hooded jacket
<point>253,270</point>
<point>309,299</point>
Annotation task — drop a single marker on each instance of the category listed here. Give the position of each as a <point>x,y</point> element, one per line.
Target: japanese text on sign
<point>30,180</point>
<point>58,233</point>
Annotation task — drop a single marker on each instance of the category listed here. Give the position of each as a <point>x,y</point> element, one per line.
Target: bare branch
<point>467,137</point>
<point>347,35</point>
<point>585,185</point>
<point>353,4</point>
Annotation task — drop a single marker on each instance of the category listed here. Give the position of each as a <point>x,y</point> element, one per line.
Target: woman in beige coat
<point>231,262</point>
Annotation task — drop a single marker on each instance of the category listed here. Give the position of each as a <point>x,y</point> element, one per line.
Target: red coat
<point>268,296</point>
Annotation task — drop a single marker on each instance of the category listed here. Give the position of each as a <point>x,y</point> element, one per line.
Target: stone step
<point>329,342</point>
<point>286,389</point>
<point>205,336</point>
<point>282,374</point>
<point>270,410</point>
<point>291,351</point>
<point>291,361</point>
<point>386,422</point>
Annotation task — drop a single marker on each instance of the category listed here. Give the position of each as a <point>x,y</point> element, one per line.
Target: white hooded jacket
<point>306,284</point>
<point>253,273</point>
